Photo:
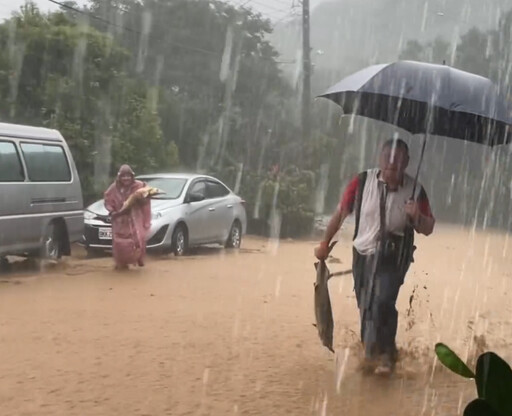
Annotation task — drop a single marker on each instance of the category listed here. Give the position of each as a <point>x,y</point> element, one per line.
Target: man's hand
<point>421,223</point>
<point>322,251</point>
<point>412,209</point>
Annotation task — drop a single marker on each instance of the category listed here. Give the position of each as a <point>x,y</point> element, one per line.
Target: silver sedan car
<point>195,210</point>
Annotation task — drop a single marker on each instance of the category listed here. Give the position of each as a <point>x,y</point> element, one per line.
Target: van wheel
<point>4,265</point>
<point>180,240</point>
<point>52,243</point>
<point>235,236</point>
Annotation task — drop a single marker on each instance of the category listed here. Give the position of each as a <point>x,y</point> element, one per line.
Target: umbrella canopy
<point>427,98</point>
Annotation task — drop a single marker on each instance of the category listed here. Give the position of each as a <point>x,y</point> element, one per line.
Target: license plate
<point>105,233</point>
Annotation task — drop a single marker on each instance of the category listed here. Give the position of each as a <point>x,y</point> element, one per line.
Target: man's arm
<point>336,221</point>
<point>335,224</point>
<point>345,207</point>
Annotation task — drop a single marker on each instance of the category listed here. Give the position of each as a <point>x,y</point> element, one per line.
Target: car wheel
<point>180,240</point>
<point>235,236</point>
<point>52,243</point>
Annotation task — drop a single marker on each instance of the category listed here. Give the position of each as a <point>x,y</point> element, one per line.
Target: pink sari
<point>128,230</point>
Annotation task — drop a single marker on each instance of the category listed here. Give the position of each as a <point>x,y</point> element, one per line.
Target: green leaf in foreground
<point>479,407</point>
<point>494,382</point>
<point>452,361</point>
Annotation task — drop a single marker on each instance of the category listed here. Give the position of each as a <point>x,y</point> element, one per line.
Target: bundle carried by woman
<point>139,196</point>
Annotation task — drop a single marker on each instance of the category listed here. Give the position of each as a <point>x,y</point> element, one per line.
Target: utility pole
<point>306,73</point>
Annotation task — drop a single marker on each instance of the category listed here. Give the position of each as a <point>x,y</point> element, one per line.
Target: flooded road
<point>219,333</point>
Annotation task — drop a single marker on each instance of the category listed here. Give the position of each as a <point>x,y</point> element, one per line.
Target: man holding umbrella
<point>389,205</point>
<point>386,218</point>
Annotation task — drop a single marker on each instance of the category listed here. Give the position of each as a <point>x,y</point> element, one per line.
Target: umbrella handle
<point>423,146</point>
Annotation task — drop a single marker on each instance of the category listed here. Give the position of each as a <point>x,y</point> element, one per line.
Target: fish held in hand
<point>323,309</point>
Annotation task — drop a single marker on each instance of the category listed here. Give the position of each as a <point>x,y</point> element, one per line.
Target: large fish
<point>323,309</point>
<point>139,195</point>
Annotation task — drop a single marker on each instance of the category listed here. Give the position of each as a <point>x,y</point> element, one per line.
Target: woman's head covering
<point>117,192</point>
<point>125,169</point>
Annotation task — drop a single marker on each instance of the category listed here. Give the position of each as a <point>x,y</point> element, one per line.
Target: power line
<point>131,30</point>
<point>267,6</point>
<point>268,14</point>
<point>290,15</point>
<point>285,3</point>
<point>257,12</point>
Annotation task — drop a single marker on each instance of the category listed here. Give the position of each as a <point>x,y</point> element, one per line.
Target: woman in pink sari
<point>129,228</point>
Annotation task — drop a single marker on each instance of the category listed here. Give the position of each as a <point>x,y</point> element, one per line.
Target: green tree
<point>182,47</point>
<point>66,75</point>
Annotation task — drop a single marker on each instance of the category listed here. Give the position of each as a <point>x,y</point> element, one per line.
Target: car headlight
<point>88,215</point>
<point>156,215</point>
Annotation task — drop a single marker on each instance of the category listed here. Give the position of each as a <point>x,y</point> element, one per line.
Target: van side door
<point>14,199</point>
<point>50,185</point>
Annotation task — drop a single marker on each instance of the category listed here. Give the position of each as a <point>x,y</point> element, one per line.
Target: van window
<point>10,163</point>
<point>46,163</point>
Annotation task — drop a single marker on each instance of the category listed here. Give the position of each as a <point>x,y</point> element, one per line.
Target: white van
<point>41,205</point>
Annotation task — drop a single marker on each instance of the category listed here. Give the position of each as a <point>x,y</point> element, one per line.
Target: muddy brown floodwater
<point>221,333</point>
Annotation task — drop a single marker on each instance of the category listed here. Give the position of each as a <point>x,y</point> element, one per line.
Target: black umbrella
<point>429,99</point>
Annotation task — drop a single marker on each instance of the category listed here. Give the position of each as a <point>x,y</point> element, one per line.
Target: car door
<point>197,213</point>
<point>221,210</point>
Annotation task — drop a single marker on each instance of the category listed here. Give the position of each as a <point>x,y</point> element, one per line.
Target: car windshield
<point>173,187</point>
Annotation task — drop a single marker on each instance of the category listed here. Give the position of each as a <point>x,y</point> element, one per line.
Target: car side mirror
<point>193,197</point>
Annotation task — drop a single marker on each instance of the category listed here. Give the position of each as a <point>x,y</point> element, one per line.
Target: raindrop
<point>459,407</point>
<point>321,189</point>
<point>144,39</point>
<point>340,286</point>
<point>226,56</point>
<point>341,369</point>
<point>278,286</point>
<point>425,401</point>
<point>236,326</point>
<point>324,406</point>
<point>424,19</point>
<point>206,375</point>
